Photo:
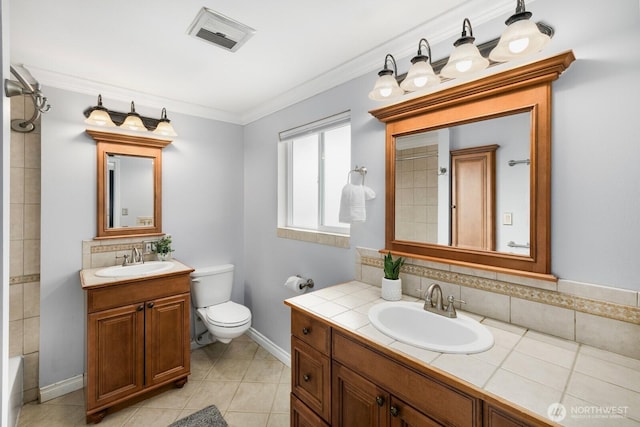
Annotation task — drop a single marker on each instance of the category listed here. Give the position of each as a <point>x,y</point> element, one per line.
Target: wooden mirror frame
<point>526,88</point>
<point>132,145</point>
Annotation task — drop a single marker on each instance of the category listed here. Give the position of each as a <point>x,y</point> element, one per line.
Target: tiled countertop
<point>527,368</point>
<point>89,279</point>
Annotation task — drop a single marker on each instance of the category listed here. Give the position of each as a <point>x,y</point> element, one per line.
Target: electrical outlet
<point>148,248</point>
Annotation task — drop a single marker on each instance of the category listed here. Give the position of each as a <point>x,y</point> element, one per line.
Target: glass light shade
<point>164,128</point>
<point>521,38</point>
<point>419,76</point>
<point>386,88</point>
<point>133,122</point>
<point>464,60</point>
<point>99,117</point>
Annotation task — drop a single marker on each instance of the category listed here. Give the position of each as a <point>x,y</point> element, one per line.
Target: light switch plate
<point>507,218</point>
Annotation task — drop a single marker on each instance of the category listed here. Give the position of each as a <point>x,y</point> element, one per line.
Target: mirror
<point>466,134</point>
<point>129,177</point>
<point>448,193</point>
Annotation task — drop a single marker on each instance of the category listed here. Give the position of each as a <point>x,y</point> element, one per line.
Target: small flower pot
<point>391,289</point>
<point>164,257</point>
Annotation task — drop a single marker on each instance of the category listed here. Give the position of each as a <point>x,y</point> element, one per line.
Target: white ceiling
<point>140,48</point>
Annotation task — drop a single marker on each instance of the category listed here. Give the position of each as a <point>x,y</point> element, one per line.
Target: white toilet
<point>211,296</point>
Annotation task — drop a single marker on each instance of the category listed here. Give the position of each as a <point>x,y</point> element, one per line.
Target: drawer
<point>442,402</point>
<point>311,377</point>
<point>301,416</point>
<point>312,331</point>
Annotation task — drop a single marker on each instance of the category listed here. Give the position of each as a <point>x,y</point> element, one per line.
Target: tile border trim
<point>625,313</point>
<point>29,278</point>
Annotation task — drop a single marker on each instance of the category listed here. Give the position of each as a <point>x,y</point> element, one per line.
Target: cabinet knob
<point>306,377</point>
<point>394,411</point>
<point>306,331</point>
<point>140,307</point>
<point>150,305</point>
<point>380,400</point>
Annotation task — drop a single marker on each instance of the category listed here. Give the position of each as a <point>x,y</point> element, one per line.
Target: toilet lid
<point>228,314</point>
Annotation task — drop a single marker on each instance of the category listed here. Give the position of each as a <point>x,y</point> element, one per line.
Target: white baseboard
<point>61,388</point>
<point>268,345</point>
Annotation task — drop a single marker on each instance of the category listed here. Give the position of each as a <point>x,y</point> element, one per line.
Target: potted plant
<point>391,282</point>
<point>162,248</point>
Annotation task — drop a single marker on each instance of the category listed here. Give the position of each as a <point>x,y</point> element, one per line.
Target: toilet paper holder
<point>308,283</point>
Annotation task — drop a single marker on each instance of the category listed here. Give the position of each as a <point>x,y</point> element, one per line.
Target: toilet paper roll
<point>294,283</point>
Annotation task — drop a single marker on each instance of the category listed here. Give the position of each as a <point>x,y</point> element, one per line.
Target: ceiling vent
<point>217,29</point>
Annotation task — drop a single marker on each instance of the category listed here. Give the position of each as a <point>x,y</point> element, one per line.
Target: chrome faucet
<point>436,306</point>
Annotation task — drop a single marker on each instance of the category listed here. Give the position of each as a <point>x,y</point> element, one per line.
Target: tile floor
<point>249,386</point>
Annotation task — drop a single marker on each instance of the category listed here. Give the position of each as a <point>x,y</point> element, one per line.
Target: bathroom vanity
<point>341,377</point>
<point>138,336</point>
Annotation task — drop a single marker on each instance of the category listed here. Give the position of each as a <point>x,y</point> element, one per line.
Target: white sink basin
<point>409,323</point>
<point>146,269</point>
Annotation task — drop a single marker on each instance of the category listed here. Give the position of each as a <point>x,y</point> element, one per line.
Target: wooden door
<point>473,188</point>
<point>167,339</point>
<point>357,402</point>
<point>115,353</point>
<point>403,415</point>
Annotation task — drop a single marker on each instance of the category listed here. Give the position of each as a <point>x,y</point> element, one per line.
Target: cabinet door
<point>356,401</point>
<point>115,353</point>
<point>403,415</point>
<point>167,339</point>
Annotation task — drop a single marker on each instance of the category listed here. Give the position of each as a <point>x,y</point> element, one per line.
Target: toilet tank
<point>211,285</point>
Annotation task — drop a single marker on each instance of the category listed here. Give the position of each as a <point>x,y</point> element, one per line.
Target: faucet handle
<point>451,310</point>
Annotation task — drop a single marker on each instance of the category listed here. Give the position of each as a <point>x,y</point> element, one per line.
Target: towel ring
<point>361,170</point>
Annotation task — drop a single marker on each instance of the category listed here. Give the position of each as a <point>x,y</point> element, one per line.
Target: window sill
<point>322,238</point>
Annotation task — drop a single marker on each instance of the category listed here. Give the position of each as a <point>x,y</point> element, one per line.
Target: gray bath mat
<point>207,417</point>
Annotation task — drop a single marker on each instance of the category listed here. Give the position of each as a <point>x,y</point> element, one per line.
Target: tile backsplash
<point>108,252</point>
<point>603,317</point>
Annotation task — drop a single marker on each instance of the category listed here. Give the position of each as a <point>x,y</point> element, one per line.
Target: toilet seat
<point>228,314</point>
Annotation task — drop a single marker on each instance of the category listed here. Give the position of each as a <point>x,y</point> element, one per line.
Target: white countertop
<point>89,279</point>
<point>528,368</point>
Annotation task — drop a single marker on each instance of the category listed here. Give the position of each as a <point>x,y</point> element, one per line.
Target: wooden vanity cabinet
<point>343,380</point>
<point>137,340</point>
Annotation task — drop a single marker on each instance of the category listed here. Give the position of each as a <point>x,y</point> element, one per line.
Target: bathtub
<point>15,389</point>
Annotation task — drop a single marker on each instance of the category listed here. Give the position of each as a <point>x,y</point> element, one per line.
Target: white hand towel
<point>352,207</point>
<point>369,194</point>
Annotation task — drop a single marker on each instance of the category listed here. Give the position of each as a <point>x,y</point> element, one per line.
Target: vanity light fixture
<point>420,74</point>
<point>522,37</point>
<point>99,115</point>
<point>164,127</point>
<point>465,58</point>
<point>133,120</point>
<point>386,86</point>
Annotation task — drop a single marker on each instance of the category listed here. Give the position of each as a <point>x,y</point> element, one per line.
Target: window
<point>314,161</point>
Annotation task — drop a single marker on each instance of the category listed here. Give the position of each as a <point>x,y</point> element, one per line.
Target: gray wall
<point>202,209</point>
<point>595,194</point>
<point>220,180</point>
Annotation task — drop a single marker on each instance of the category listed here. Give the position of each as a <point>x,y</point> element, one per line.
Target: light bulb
<point>519,45</point>
<point>463,66</point>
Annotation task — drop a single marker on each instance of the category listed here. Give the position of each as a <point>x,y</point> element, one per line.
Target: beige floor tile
<point>51,415</point>
<point>228,370</point>
<point>246,419</point>
<point>173,399</point>
<point>240,350</point>
<point>253,397</point>
<point>152,417</point>
<point>264,371</point>
<point>217,393</point>
<point>243,404</point>
<point>282,400</point>
<point>278,420</point>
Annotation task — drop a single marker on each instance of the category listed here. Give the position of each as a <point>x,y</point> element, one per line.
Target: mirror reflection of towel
<point>352,207</point>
